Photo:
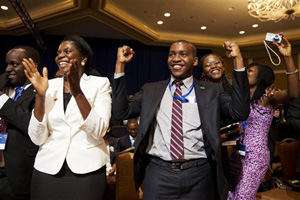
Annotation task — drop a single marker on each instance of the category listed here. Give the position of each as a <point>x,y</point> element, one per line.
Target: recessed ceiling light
<point>203,27</point>
<point>160,22</point>
<point>242,32</point>
<point>255,25</point>
<point>167,14</point>
<point>4,7</point>
<point>231,8</point>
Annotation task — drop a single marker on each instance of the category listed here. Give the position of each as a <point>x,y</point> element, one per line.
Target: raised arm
<point>281,97</point>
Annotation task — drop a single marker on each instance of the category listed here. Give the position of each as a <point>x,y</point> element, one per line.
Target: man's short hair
<point>30,53</point>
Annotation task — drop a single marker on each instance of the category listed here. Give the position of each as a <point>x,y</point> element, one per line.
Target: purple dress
<point>247,172</point>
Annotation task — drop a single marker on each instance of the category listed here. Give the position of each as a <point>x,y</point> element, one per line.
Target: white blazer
<point>65,135</point>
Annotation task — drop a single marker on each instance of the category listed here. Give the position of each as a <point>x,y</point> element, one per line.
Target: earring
<point>82,63</point>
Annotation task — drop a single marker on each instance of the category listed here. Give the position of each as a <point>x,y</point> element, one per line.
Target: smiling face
<point>15,68</point>
<point>65,53</point>
<point>181,60</point>
<point>213,68</point>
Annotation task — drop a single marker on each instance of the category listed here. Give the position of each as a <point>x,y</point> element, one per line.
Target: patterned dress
<point>247,172</point>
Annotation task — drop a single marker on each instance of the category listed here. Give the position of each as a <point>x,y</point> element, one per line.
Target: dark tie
<point>176,148</point>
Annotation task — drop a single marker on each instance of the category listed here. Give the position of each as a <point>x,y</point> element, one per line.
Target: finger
<point>27,66</point>
<point>27,75</point>
<point>45,72</point>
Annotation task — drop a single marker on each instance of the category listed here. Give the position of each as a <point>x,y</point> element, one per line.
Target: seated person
<point>127,141</point>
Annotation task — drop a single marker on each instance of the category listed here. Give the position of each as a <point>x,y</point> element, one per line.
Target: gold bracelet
<point>290,73</point>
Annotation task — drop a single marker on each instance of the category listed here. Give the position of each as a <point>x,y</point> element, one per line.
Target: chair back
<point>288,149</point>
<point>125,188</point>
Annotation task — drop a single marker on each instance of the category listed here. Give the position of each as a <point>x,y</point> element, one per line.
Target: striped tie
<point>176,148</point>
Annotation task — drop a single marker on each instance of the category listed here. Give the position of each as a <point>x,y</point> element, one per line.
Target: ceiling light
<point>255,25</point>
<point>242,32</point>
<point>274,10</point>
<point>167,14</point>
<point>231,8</point>
<point>160,22</point>
<point>203,27</point>
<point>4,7</point>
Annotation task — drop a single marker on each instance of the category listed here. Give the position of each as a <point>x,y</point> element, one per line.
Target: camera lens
<point>276,37</point>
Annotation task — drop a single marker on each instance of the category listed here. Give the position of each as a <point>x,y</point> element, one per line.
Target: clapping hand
<point>73,77</point>
<point>40,83</point>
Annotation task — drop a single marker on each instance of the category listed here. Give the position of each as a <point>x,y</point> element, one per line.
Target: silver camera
<point>271,37</point>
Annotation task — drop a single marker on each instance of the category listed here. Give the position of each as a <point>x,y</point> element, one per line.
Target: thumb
<point>45,72</point>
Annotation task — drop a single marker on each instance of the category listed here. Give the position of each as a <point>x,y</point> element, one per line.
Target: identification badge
<point>3,137</point>
<point>241,150</point>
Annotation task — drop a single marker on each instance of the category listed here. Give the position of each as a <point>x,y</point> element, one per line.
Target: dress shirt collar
<point>188,82</point>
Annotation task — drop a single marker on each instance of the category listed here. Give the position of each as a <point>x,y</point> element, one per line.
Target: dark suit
<point>124,142</point>
<point>292,116</point>
<point>212,101</point>
<point>19,153</point>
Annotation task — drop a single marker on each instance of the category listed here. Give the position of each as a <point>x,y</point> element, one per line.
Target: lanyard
<point>18,92</point>
<point>182,98</point>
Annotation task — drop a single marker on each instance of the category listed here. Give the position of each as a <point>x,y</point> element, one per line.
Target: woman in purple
<point>249,160</point>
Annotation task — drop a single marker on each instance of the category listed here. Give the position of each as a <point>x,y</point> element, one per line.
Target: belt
<point>177,166</point>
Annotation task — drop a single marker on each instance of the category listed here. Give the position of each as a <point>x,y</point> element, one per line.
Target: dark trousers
<point>6,192</point>
<point>162,182</point>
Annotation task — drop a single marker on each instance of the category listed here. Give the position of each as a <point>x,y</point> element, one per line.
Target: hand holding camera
<point>284,47</point>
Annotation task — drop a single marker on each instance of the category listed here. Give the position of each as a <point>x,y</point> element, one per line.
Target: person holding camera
<point>250,159</point>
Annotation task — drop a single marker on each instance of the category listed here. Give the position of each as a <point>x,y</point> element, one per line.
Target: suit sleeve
<point>18,115</point>
<point>97,122</point>
<point>123,108</point>
<point>238,108</point>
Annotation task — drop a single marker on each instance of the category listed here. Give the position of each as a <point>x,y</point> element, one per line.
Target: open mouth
<point>177,66</point>
<point>215,71</point>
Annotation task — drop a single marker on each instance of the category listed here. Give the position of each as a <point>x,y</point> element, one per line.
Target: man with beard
<point>17,99</point>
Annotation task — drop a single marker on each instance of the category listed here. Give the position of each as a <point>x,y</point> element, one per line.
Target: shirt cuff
<point>118,75</point>
<point>240,70</point>
<point>3,100</point>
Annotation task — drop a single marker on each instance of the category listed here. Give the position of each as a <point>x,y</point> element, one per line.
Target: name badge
<point>3,137</point>
<point>241,150</point>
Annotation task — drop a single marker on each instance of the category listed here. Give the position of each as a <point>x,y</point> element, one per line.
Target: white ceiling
<point>136,19</point>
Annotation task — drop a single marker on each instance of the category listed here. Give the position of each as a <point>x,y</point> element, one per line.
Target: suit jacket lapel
<point>157,96</point>
<point>26,94</point>
<point>200,96</point>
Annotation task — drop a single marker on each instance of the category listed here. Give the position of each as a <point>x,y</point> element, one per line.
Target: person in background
<point>292,116</point>
<point>212,69</point>
<point>250,159</point>
<point>17,99</point>
<point>179,157</point>
<point>128,140</point>
<point>70,118</point>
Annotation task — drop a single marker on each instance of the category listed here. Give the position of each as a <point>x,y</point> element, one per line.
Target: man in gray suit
<point>191,169</point>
